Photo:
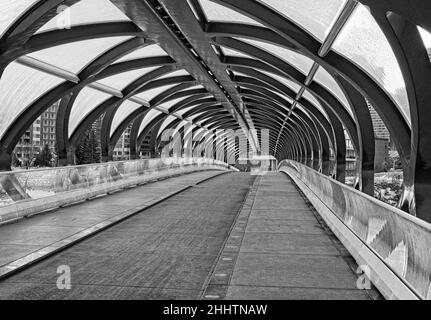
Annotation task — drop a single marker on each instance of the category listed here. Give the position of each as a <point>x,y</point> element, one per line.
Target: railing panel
<point>29,192</point>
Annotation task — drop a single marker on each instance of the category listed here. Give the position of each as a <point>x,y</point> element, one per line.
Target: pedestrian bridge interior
<point>296,77</point>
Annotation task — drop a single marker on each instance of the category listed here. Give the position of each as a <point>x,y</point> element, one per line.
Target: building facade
<point>41,133</point>
<point>380,130</point>
<point>122,149</point>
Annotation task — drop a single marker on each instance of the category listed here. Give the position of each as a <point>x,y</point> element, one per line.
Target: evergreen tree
<point>44,158</point>
<point>88,151</point>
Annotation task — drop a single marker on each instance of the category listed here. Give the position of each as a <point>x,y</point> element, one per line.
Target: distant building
<point>350,156</point>
<point>41,133</point>
<point>122,149</point>
<point>380,130</point>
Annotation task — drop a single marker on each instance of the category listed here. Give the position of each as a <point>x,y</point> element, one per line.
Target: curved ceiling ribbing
<point>218,64</point>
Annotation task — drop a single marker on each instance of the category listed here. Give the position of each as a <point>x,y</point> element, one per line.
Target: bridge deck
<point>285,251</point>
<point>204,242</point>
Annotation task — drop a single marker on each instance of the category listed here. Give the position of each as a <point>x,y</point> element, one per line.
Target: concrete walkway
<point>281,249</point>
<point>21,241</point>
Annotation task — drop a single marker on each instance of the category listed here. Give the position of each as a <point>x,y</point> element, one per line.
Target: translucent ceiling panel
<point>307,95</point>
<point>86,12</point>
<point>148,118</point>
<point>183,111</point>
<point>19,87</point>
<point>183,123</point>
<point>299,61</point>
<point>169,104</point>
<point>426,37</point>
<point>315,16</point>
<point>85,102</point>
<point>127,108</point>
<point>176,73</point>
<point>216,12</point>
<point>289,99</point>
<point>196,87</point>
<point>233,53</point>
<point>289,83</point>
<point>166,123</point>
<point>122,80</point>
<point>301,107</point>
<point>189,127</point>
<point>152,50</point>
<point>11,10</point>
<point>325,79</point>
<point>150,94</point>
<point>75,56</point>
<point>363,42</point>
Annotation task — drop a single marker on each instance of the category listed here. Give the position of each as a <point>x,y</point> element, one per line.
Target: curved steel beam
<point>284,32</point>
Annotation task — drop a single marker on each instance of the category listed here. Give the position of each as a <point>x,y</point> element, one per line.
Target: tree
<point>394,161</point>
<point>44,158</point>
<point>88,151</point>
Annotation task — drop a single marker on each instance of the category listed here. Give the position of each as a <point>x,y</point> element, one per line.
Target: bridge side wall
<point>392,247</point>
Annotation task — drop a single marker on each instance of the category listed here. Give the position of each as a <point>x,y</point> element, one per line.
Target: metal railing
<point>28,192</point>
<point>393,247</point>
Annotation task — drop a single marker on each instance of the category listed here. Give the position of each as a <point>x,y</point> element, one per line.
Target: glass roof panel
<point>216,12</point>
<point>299,61</point>
<point>233,53</point>
<point>199,133</point>
<point>122,80</point>
<point>150,94</point>
<point>301,107</point>
<point>152,50</point>
<point>85,102</point>
<point>126,108</point>
<point>426,37</point>
<point>11,10</point>
<point>86,12</point>
<point>169,104</point>
<point>194,116</point>
<point>307,95</point>
<point>75,56</point>
<point>183,111</point>
<point>283,96</point>
<point>19,87</point>
<point>167,122</point>
<point>188,128</point>
<point>176,73</point>
<point>184,123</point>
<point>289,83</point>
<point>196,87</point>
<point>148,118</point>
<point>324,78</point>
<point>315,16</point>
<point>363,42</point>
